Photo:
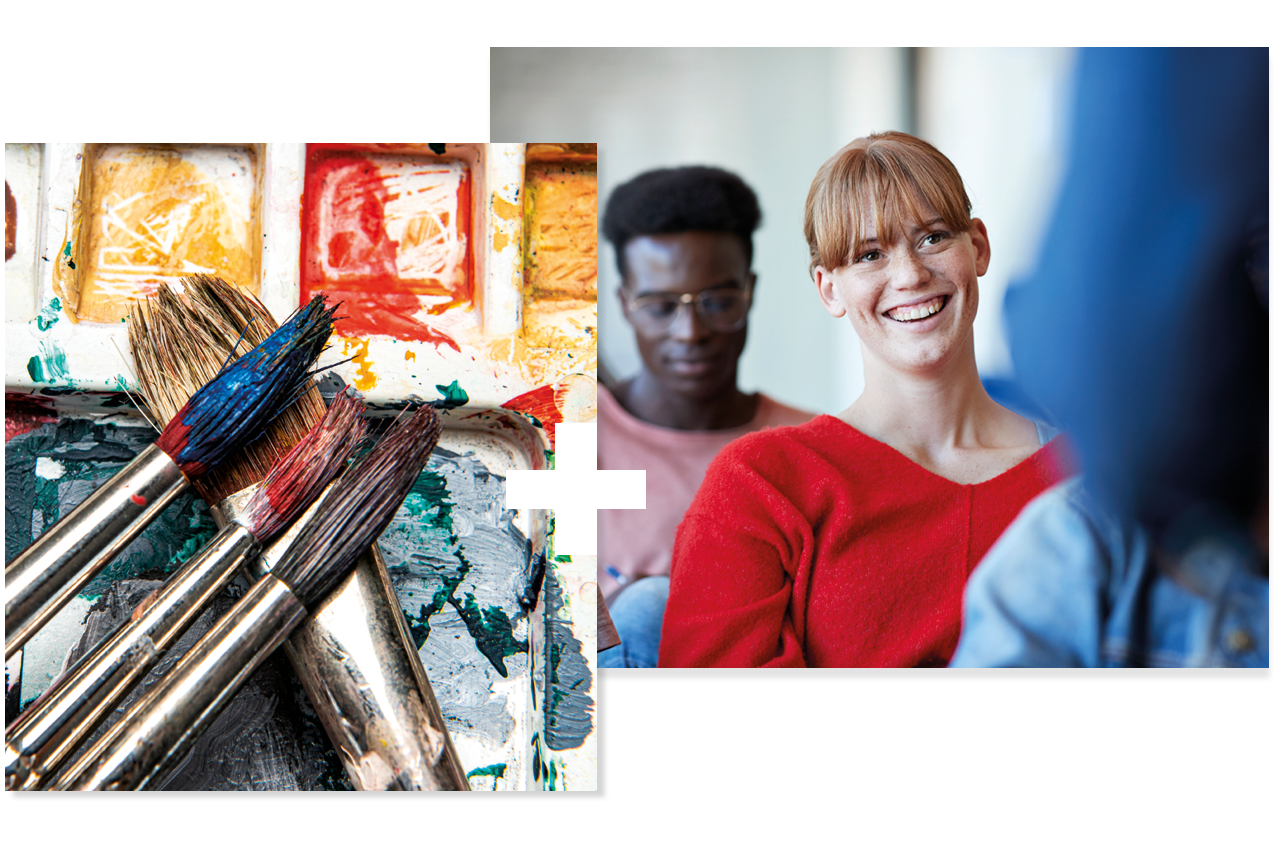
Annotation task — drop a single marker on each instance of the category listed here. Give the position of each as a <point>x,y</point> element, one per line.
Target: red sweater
<point>818,546</point>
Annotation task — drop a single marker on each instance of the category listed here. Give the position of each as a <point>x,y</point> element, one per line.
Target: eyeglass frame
<point>694,299</point>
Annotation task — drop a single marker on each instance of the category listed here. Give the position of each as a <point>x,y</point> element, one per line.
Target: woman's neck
<point>942,419</point>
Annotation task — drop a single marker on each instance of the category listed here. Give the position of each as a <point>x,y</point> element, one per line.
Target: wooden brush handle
<point>608,636</point>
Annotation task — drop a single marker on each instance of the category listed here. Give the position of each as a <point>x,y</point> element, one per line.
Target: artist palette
<point>467,272</point>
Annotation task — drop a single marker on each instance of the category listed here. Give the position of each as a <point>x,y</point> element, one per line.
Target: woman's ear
<point>829,296</point>
<point>980,240</point>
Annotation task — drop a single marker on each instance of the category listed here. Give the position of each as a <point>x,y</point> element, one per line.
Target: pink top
<point>638,542</point>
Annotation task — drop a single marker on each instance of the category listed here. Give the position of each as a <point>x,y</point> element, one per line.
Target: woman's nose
<point>910,271</point>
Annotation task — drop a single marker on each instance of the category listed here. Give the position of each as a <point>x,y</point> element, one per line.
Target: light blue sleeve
<point>1039,597</point>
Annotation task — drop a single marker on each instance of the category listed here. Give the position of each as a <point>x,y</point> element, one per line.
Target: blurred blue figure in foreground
<point>1144,332</point>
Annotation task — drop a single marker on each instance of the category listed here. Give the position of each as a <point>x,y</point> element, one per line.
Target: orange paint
<point>562,218</point>
<point>502,208</point>
<point>365,378</point>
<point>380,232</point>
<point>157,213</point>
<point>408,355</point>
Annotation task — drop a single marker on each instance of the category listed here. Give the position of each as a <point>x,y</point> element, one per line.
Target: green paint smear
<point>492,631</point>
<point>496,771</point>
<point>453,396</point>
<point>53,367</point>
<point>93,454</point>
<point>437,148</point>
<point>429,500</point>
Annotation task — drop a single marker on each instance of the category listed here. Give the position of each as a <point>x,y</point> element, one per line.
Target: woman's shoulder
<point>785,449</point>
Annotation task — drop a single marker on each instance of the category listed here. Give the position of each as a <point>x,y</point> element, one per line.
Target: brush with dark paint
<point>354,654</point>
<point>140,750</point>
<point>52,727</point>
<point>218,420</point>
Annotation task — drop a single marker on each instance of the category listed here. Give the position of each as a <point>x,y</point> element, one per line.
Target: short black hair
<point>677,199</point>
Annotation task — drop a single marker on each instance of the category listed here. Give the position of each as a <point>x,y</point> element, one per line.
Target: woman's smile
<point>918,311</point>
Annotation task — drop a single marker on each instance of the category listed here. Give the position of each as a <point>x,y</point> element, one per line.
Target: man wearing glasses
<point>684,244</point>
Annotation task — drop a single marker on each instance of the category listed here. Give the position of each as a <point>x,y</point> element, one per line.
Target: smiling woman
<point>847,541</point>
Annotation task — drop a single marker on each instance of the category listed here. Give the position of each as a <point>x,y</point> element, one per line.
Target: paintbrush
<point>354,654</point>
<point>220,418</point>
<point>140,750</point>
<point>52,727</point>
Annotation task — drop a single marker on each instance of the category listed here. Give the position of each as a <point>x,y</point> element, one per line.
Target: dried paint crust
<point>388,235</point>
<point>461,570</point>
<point>155,213</point>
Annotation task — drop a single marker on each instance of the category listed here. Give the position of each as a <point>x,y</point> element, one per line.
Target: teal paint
<point>492,631</point>
<point>90,454</point>
<point>49,366</point>
<point>453,396</point>
<point>495,771</point>
<point>48,316</point>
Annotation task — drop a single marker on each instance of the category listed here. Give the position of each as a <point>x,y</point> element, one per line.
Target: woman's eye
<point>935,237</point>
<point>869,256</point>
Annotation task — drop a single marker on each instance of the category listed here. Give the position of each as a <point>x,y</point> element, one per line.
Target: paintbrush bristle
<point>234,408</point>
<point>297,478</point>
<point>180,341</point>
<point>359,507</point>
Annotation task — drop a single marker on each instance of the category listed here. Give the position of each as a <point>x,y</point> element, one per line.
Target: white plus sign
<point>576,490</point>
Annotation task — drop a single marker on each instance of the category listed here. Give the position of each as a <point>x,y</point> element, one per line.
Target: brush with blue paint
<point>140,750</point>
<point>354,655</point>
<point>51,728</point>
<point>218,420</point>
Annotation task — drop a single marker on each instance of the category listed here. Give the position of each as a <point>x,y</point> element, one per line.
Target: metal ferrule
<point>356,660</point>
<point>153,738</point>
<point>65,557</point>
<point>51,728</point>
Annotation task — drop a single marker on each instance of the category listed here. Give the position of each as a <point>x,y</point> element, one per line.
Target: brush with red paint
<point>218,420</point>
<point>140,750</point>
<point>51,728</point>
<point>354,656</point>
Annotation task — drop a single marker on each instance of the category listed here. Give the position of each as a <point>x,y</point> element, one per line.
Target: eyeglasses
<point>722,311</point>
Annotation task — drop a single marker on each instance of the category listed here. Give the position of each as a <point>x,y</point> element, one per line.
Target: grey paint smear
<point>459,566</point>
<point>260,742</point>
<point>568,707</point>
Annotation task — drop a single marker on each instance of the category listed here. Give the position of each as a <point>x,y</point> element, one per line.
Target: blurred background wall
<point>774,116</point>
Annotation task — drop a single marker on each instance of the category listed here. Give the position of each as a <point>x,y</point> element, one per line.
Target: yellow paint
<point>561,225</point>
<point>153,214</point>
<point>365,378</point>
<point>500,240</point>
<point>505,210</point>
<point>408,355</point>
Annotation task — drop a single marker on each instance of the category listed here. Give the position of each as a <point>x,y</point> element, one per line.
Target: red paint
<point>344,218</point>
<point>138,499</point>
<point>542,404</point>
<point>24,413</point>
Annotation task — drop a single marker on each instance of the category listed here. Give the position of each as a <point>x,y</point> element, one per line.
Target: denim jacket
<point>1068,585</point>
